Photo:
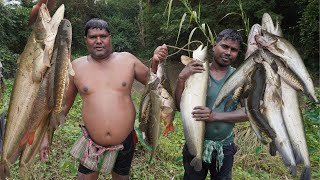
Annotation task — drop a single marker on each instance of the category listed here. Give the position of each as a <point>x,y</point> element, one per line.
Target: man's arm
<point>179,90</point>
<point>70,95</point>
<point>141,71</point>
<point>160,54</point>
<point>202,113</point>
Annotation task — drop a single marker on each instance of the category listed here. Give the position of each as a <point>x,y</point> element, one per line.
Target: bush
<point>8,60</point>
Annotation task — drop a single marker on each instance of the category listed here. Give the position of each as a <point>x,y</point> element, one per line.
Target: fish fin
<point>306,173</point>
<point>4,170</point>
<point>31,137</point>
<point>169,128</point>
<point>24,139</point>
<point>297,156</point>
<point>196,163</point>
<point>272,149</point>
<point>185,59</point>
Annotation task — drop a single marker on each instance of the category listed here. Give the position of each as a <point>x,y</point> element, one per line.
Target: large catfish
<point>294,123</point>
<point>252,45</point>
<point>195,94</point>
<point>272,111</point>
<point>291,58</point>
<point>31,63</point>
<point>257,120</point>
<point>63,69</point>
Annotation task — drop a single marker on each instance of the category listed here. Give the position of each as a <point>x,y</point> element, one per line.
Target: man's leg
<point>225,172</point>
<point>122,165</point>
<point>86,174</point>
<point>189,172</point>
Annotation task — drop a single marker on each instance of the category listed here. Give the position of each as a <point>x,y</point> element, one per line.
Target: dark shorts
<point>225,172</point>
<point>124,159</point>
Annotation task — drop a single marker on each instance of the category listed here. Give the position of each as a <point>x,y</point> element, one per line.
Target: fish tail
<point>306,173</point>
<point>4,170</point>
<point>293,170</point>
<point>297,156</point>
<point>272,149</point>
<point>196,163</point>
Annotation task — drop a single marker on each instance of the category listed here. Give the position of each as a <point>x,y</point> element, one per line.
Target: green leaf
<point>179,159</point>
<point>169,5</point>
<point>231,13</point>
<point>212,38</point>
<point>258,150</point>
<point>180,26</point>
<point>191,34</point>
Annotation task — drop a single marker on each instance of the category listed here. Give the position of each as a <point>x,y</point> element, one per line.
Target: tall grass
<point>252,160</point>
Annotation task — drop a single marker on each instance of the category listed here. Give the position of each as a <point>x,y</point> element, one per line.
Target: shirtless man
<point>104,80</point>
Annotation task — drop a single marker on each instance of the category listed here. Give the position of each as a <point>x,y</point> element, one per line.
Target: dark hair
<point>230,34</point>
<point>96,23</point>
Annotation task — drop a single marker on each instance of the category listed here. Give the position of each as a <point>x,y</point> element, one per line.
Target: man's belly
<point>109,123</point>
<point>217,131</point>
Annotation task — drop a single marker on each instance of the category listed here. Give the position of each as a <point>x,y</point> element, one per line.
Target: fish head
<point>66,30</point>
<point>271,42</point>
<point>40,26</point>
<point>252,44</point>
<point>268,25</point>
<point>200,53</point>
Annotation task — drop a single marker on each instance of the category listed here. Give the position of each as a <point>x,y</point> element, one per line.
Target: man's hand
<point>202,113</point>
<point>160,54</point>
<point>44,148</point>
<point>191,68</point>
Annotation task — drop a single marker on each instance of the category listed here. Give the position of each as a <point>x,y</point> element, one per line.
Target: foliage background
<point>141,25</point>
<point>138,27</point>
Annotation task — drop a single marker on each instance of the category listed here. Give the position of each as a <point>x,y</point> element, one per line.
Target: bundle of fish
<point>156,104</point>
<point>38,91</point>
<point>270,78</point>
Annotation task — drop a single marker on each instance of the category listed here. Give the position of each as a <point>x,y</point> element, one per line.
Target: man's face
<point>98,42</point>
<point>226,52</point>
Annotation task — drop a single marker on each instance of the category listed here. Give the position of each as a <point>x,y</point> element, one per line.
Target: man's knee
<point>116,176</point>
<point>90,176</point>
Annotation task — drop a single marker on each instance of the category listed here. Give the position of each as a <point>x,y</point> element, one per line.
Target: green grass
<point>252,160</point>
